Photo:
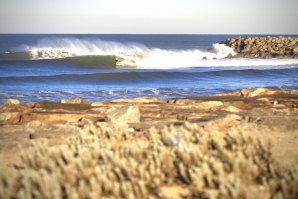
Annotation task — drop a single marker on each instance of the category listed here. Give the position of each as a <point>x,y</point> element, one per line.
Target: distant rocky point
<point>264,47</point>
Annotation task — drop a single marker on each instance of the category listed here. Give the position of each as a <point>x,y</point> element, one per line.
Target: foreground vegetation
<point>189,161</point>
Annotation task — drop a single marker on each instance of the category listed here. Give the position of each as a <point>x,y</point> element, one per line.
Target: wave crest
<point>131,54</point>
<point>90,52</point>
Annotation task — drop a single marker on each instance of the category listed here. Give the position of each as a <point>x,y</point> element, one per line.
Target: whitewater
<point>139,56</point>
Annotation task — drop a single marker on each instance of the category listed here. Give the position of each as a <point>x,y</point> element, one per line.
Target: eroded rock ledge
<point>152,148</point>
<point>264,47</point>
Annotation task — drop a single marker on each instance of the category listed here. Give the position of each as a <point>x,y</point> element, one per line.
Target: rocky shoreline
<point>264,47</point>
<point>152,148</point>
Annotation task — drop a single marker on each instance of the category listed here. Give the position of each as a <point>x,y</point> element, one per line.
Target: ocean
<point>41,67</point>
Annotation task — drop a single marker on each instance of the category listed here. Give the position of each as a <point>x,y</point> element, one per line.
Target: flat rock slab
<point>56,122</point>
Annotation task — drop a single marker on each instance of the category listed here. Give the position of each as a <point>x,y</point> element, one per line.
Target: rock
<point>184,101</point>
<point>140,100</point>
<point>48,118</point>
<point>34,123</point>
<point>292,43</point>
<point>229,55</point>
<point>263,99</point>
<point>75,101</point>
<point>246,49</point>
<point>233,40</point>
<point>210,104</point>
<point>265,91</point>
<point>245,92</point>
<point>228,121</point>
<point>295,50</point>
<point>98,104</point>
<point>232,109</point>
<point>11,117</point>
<point>125,114</point>
<point>11,102</point>
<point>232,94</point>
<point>279,106</point>
<point>294,92</point>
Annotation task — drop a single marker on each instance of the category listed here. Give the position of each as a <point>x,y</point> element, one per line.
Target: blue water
<point>53,67</point>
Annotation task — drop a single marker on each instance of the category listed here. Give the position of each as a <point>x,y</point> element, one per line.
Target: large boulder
<point>125,114</point>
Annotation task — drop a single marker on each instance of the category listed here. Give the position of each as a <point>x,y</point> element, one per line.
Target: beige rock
<point>98,104</point>
<point>8,116</point>
<point>292,43</point>
<point>246,49</point>
<point>263,99</point>
<point>279,106</point>
<point>75,101</point>
<point>182,101</point>
<point>47,118</point>
<point>265,91</point>
<point>125,114</point>
<point>228,121</point>
<point>245,92</point>
<point>232,94</point>
<point>210,104</point>
<point>232,109</point>
<point>34,123</point>
<point>10,102</point>
<point>294,92</point>
<point>140,100</point>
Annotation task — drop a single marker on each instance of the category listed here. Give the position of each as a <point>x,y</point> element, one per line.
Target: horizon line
<point>43,33</point>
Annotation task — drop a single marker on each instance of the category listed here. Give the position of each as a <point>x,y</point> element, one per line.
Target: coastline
<point>270,115</point>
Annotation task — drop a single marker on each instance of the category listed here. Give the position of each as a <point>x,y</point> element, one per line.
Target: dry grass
<point>111,162</point>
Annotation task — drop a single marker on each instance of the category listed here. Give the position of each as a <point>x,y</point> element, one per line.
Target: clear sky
<point>150,16</point>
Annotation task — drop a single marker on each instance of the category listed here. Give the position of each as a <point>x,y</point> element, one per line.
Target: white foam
<point>137,55</point>
<point>66,47</point>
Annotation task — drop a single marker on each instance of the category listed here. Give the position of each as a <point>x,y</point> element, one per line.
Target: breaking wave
<point>133,55</point>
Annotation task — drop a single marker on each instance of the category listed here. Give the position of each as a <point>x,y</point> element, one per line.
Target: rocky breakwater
<point>264,47</point>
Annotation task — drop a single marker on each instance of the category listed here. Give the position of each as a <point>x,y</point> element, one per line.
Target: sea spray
<point>135,55</point>
<point>131,54</point>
